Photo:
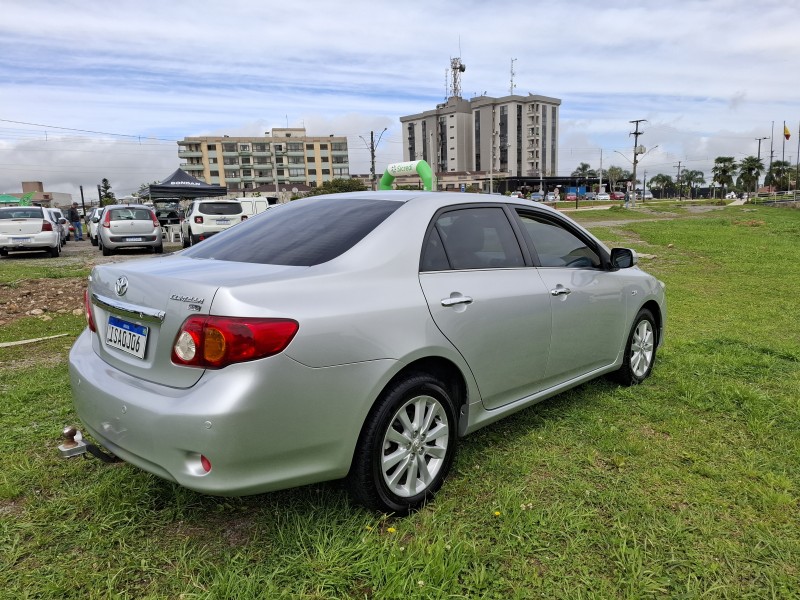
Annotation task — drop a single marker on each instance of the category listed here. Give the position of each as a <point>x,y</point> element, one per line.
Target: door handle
<point>560,291</point>
<point>454,300</point>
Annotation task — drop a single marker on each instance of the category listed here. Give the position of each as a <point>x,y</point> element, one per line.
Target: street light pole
<point>635,135</point>
<point>766,137</point>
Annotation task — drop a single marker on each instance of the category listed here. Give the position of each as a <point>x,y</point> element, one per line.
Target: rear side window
<point>219,208</point>
<point>302,233</point>
<point>474,238</point>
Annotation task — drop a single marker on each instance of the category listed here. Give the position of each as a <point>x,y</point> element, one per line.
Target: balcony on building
<point>192,166</point>
<point>189,153</point>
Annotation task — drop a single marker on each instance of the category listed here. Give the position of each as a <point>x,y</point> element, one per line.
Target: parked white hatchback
<point>206,217</point>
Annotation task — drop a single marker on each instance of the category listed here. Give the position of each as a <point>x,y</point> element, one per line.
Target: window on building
<point>339,146</point>
<point>246,160</point>
<point>260,147</point>
<point>309,146</point>
<point>296,160</point>
<point>326,171</point>
<point>294,147</point>
<point>247,172</point>
<point>244,147</point>
<point>295,172</point>
<point>212,146</point>
<point>324,159</point>
<point>229,147</point>
<point>214,173</point>
<point>312,171</point>
<point>323,146</point>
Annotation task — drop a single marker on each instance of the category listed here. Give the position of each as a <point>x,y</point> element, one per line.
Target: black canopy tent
<point>167,195</point>
<point>181,185</point>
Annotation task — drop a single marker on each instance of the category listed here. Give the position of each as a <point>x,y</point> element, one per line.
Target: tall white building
<point>514,135</point>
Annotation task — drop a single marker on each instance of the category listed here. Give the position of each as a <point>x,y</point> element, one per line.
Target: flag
<point>786,133</point>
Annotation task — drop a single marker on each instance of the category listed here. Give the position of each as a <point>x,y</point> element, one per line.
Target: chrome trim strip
<point>131,310</point>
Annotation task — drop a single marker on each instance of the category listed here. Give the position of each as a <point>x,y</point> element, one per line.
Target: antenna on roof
<point>456,67</point>
<point>512,86</point>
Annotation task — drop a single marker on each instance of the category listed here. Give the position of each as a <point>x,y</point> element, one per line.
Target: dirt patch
<point>46,297</point>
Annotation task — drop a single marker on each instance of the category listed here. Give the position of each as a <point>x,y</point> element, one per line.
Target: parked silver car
<point>353,335</point>
<point>26,228</point>
<point>128,226</point>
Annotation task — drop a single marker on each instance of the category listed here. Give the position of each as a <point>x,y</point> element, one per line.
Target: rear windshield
<point>302,233</point>
<point>130,214</point>
<point>21,212</point>
<point>219,208</point>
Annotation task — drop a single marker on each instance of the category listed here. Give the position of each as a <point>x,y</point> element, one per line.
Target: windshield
<point>302,233</point>
<point>219,208</point>
<point>21,212</point>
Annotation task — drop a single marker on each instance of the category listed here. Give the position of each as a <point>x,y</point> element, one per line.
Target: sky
<point>92,90</point>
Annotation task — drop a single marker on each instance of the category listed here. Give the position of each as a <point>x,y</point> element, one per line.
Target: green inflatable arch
<point>422,169</point>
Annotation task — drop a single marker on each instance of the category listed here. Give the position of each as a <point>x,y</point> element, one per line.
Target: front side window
<point>473,238</point>
<point>558,247</point>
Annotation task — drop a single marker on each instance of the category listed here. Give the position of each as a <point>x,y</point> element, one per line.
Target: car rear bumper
<point>279,425</point>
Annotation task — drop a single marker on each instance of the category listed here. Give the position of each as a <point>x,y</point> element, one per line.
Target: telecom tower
<point>456,68</point>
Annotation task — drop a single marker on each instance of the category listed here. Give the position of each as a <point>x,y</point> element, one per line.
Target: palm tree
<point>750,170</point>
<point>615,174</point>
<point>693,179</point>
<point>584,170</point>
<point>778,175</point>
<point>723,170</point>
<point>661,183</point>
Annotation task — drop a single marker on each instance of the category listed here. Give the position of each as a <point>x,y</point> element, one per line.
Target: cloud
<point>709,77</point>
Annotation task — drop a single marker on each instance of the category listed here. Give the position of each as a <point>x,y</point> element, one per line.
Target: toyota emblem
<point>121,286</point>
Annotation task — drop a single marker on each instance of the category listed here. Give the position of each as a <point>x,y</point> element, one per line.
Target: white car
<point>93,224</point>
<point>207,217</point>
<point>603,196</point>
<point>27,228</point>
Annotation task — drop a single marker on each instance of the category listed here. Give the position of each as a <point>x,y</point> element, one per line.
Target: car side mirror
<point>623,258</point>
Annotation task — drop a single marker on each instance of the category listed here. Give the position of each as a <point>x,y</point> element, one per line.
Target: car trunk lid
<point>139,308</point>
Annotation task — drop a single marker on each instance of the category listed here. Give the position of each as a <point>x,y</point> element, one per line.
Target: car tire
<point>185,240</point>
<point>56,251</point>
<point>190,235</point>
<point>93,240</point>
<point>392,429</point>
<point>106,251</point>
<point>640,350</point>
<point>159,249</point>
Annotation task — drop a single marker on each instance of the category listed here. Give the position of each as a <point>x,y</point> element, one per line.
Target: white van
<point>257,204</point>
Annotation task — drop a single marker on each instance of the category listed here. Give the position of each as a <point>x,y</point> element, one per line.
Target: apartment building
<point>512,136</point>
<point>282,157</point>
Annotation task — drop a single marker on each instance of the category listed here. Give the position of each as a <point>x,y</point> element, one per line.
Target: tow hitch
<point>75,446</point>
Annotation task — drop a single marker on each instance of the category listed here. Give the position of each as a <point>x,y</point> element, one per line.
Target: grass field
<point>684,487</point>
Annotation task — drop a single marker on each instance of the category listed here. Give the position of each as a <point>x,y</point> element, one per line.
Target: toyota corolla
<point>354,336</point>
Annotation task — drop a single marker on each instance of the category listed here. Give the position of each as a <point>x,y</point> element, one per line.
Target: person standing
<point>75,219</point>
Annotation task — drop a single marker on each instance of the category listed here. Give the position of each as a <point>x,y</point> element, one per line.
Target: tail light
<point>47,226</point>
<point>198,219</point>
<point>216,342</point>
<point>155,219</point>
<point>87,307</point>
<point>107,220</point>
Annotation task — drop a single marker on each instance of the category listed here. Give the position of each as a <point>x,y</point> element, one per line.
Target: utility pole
<point>766,137</point>
<point>771,153</point>
<point>678,181</point>
<point>644,184</point>
<point>635,135</point>
<point>372,146</point>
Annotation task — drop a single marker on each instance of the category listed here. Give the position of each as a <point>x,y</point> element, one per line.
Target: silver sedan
<point>354,336</point>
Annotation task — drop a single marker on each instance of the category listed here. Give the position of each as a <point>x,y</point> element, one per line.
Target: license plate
<point>223,221</point>
<point>126,336</point>
<point>133,239</point>
<point>20,240</point>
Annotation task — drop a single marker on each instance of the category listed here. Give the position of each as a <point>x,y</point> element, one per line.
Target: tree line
<point>728,174</point>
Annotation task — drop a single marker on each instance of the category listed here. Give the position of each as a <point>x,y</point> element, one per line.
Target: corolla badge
<point>121,286</point>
